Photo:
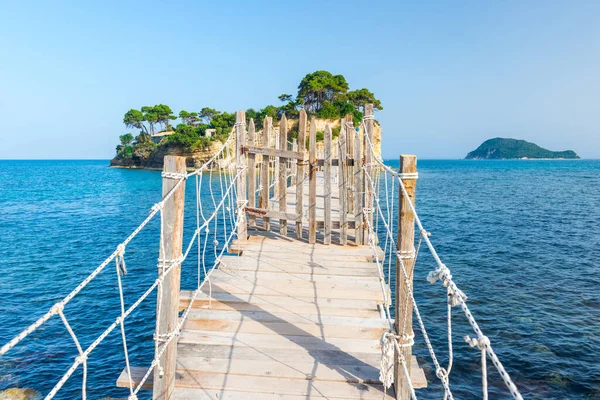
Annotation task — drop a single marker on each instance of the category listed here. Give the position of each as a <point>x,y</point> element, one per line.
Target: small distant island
<point>199,135</point>
<point>511,149</point>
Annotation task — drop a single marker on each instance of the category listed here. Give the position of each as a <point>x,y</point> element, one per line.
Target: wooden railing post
<point>283,168</point>
<point>406,255</point>
<point>170,250</point>
<point>359,189</point>
<point>265,172</point>
<point>251,173</point>
<point>327,185</point>
<point>349,123</point>
<point>369,156</point>
<point>312,183</point>
<point>240,161</point>
<point>342,184</point>
<point>300,171</point>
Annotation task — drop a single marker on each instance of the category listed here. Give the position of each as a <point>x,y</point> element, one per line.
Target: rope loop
<point>57,308</point>
<point>481,342</point>
<point>407,254</point>
<point>81,358</point>
<point>174,175</point>
<point>441,373</point>
<point>120,260</point>
<point>132,397</point>
<point>455,296</point>
<point>408,175</point>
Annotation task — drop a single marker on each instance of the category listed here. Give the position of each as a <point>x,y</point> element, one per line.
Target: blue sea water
<point>522,239</point>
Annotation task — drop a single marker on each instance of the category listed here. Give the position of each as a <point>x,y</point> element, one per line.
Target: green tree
<point>164,114</point>
<point>126,139</point>
<point>151,117</point>
<point>358,98</point>
<point>135,119</point>
<point>189,118</point>
<point>207,114</point>
<point>286,98</point>
<point>320,87</point>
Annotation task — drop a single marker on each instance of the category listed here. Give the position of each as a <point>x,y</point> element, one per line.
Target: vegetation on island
<point>501,148</point>
<point>320,93</point>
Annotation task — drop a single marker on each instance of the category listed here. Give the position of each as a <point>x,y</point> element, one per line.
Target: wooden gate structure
<point>295,310</point>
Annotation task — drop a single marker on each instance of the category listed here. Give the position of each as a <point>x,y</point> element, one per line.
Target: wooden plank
<point>263,213</point>
<point>218,285</point>
<point>280,341</point>
<point>296,308</point>
<point>251,173</point>
<point>300,170</point>
<point>264,178</point>
<point>286,317</point>
<point>137,374</point>
<point>170,249</point>
<point>284,328</point>
<point>406,249</point>
<point>359,372</point>
<point>358,189</point>
<point>296,155</point>
<point>327,188</point>
<point>312,183</point>
<point>342,176</point>
<point>240,160</point>
<point>285,301</point>
<point>277,385</point>
<point>283,174</point>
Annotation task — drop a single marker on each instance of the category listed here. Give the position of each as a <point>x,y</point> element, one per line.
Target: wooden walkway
<point>286,320</point>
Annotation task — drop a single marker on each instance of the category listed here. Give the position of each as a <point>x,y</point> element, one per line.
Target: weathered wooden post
<point>359,190</point>
<point>327,185</point>
<point>300,171</point>
<point>251,173</point>
<point>277,165</point>
<point>170,251</point>
<point>342,184</point>
<point>265,172</point>
<point>368,153</point>
<point>312,183</point>
<point>405,255</point>
<point>349,123</point>
<point>240,161</point>
<point>283,167</point>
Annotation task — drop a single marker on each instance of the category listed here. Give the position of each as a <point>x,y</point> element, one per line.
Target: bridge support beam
<point>168,292</point>
<point>405,256</point>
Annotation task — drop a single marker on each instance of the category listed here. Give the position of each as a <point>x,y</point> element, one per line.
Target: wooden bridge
<point>295,311</point>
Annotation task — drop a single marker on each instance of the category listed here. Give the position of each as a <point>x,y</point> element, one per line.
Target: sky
<point>449,74</point>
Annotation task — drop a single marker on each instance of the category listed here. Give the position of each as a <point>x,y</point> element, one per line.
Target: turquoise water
<point>522,239</point>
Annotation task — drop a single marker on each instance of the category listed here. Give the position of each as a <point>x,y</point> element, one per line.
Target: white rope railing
<point>454,295</point>
<point>226,207</point>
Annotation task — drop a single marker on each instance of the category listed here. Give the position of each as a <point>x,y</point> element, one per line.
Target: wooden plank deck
<point>285,319</point>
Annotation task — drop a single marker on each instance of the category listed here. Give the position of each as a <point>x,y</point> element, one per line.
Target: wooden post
<point>170,249</point>
<point>406,254</point>
<point>283,174</point>
<point>349,123</point>
<point>342,177</point>
<point>277,165</point>
<point>359,189</point>
<point>240,160</point>
<point>368,154</point>
<point>251,173</point>
<point>264,178</point>
<point>300,171</point>
<point>312,183</point>
<point>327,184</point>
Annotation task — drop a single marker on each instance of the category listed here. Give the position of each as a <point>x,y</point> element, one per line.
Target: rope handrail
<point>227,194</point>
<point>442,273</point>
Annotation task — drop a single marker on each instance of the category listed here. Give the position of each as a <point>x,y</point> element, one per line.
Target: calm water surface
<point>522,239</point>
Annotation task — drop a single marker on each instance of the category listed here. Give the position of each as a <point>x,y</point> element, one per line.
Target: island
<point>200,134</point>
<point>513,149</point>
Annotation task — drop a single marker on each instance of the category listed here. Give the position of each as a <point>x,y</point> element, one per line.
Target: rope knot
<point>174,175</point>
<point>441,373</point>
<point>156,207</point>
<point>407,254</point>
<point>132,397</point>
<point>482,342</point>
<point>442,273</point>
<point>456,296</point>
<point>57,308</point>
<point>216,242</point>
<point>81,359</point>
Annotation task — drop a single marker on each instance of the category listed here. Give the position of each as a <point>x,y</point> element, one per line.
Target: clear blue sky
<point>449,74</point>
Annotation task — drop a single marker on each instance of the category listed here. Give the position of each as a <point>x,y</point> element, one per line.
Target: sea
<point>522,239</point>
